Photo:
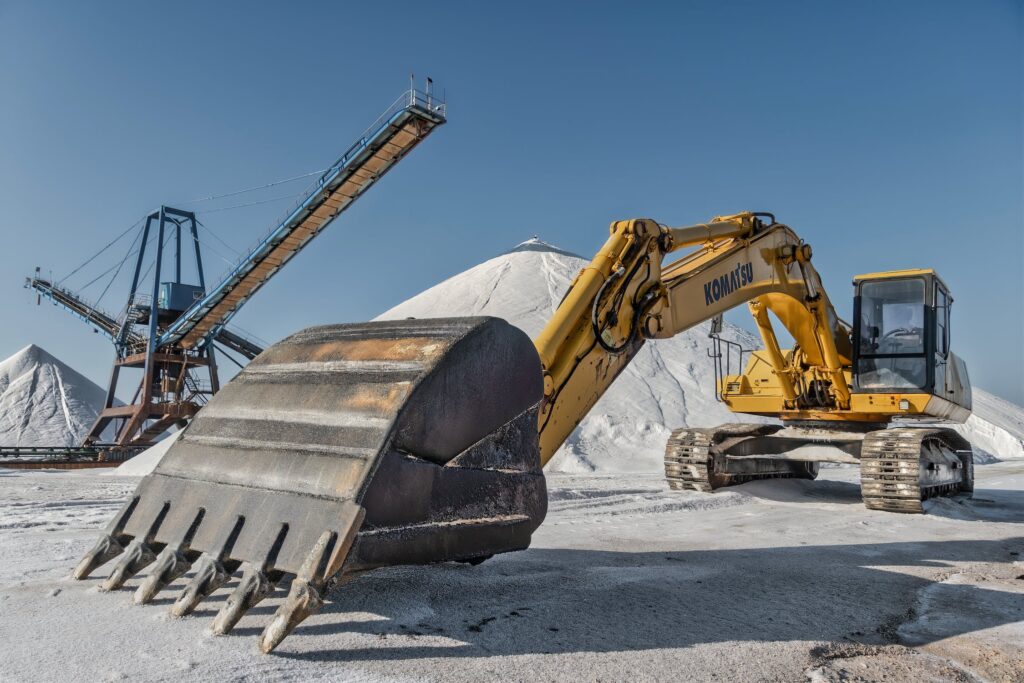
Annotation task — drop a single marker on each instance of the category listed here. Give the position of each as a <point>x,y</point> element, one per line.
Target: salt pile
<point>995,427</point>
<point>669,384</point>
<point>146,461</point>
<point>44,402</point>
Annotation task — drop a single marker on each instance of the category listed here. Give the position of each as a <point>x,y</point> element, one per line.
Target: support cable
<point>253,189</point>
<point>218,254</point>
<point>93,281</point>
<point>127,255</point>
<point>139,222</point>
<point>241,206</point>
<point>170,234</point>
<point>218,238</point>
<point>111,243</point>
<point>130,254</point>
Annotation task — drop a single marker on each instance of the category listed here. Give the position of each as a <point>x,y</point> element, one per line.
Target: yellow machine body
<point>758,392</point>
<point>838,388</point>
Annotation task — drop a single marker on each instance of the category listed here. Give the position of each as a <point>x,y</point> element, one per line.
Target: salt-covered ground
<point>783,580</point>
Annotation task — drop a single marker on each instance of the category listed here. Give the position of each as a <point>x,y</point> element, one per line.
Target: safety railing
<point>412,98</point>
<point>426,105</point>
<point>721,358</point>
<point>74,303</point>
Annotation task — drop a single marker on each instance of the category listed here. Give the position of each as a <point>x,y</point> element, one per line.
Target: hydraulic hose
<point>595,313</point>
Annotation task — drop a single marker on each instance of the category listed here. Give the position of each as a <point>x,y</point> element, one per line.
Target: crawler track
<point>901,468</point>
<point>690,458</point>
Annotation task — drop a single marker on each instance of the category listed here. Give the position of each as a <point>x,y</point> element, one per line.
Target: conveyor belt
<point>64,457</point>
<point>108,325</point>
<point>102,320</point>
<point>410,119</point>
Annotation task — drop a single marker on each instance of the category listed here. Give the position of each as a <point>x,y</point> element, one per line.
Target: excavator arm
<point>628,294</point>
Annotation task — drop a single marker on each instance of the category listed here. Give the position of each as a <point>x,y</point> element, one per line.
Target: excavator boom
<point>626,296</point>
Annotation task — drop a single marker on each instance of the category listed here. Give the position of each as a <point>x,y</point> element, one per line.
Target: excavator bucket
<point>340,449</point>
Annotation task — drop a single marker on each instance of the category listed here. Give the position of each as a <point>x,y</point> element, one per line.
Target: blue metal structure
<point>171,345</point>
<point>111,327</point>
<point>171,389</point>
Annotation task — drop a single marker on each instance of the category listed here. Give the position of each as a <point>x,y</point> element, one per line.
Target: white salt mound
<point>146,461</point>
<point>995,427</point>
<point>669,384</point>
<point>43,402</point>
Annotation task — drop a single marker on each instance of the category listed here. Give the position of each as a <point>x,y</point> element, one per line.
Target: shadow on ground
<point>985,505</point>
<point>561,600</point>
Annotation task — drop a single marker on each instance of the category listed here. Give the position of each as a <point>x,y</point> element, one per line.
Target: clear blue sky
<point>889,134</point>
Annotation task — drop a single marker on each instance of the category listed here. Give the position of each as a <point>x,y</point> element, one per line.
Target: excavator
<point>344,448</point>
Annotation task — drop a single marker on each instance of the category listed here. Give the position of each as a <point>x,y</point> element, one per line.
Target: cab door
<point>941,336</point>
<point>951,380</point>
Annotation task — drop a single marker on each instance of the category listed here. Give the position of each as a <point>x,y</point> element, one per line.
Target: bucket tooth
<point>210,575</point>
<point>169,565</point>
<point>254,585</point>
<point>306,596</point>
<point>172,562</point>
<point>106,549</point>
<point>110,544</point>
<point>137,556</point>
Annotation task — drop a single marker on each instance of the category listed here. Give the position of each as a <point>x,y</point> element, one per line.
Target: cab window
<point>892,317</point>
<point>892,335</point>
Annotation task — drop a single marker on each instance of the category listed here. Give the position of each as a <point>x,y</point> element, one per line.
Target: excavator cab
<point>902,338</point>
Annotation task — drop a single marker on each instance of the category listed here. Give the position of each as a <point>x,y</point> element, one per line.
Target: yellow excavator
<point>348,447</point>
